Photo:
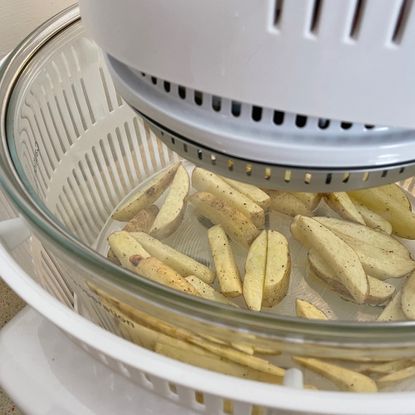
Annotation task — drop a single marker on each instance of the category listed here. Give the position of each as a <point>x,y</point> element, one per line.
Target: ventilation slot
<point>300,121</point>
<point>167,86</point>
<point>278,117</point>
<point>216,103</point>
<point>256,113</point>
<point>346,125</point>
<point>236,109</point>
<point>182,92</point>
<point>154,80</point>
<point>315,17</point>
<point>369,127</point>
<point>198,97</point>
<point>401,21</point>
<point>329,178</point>
<point>357,19</point>
<point>276,21</point>
<point>323,123</point>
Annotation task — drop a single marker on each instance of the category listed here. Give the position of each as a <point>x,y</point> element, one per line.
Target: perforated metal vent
<point>266,146</point>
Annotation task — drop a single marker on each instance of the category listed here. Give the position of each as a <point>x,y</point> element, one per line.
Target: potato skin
<point>146,196</point>
<point>236,225</point>
<point>206,181</point>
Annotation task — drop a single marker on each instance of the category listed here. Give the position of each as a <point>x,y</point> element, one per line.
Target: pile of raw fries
<point>353,254</point>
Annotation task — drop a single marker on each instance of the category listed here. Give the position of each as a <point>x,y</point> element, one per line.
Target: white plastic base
<point>45,373</point>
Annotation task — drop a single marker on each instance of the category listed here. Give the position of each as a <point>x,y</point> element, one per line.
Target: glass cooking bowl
<point>72,150</point>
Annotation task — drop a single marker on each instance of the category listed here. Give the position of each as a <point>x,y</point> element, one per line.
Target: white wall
<point>19,17</point>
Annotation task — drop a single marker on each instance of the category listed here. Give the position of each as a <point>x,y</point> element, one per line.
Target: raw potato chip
<point>253,285</point>
<point>257,195</point>
<point>344,379</point>
<point>226,268</point>
<point>287,203</point>
<point>135,258</point>
<point>379,291</point>
<point>146,196</point>
<point>307,310</point>
<point>205,181</point>
<point>341,203</point>
<point>172,212</point>
<point>408,297</point>
<point>335,252</point>
<point>277,269</point>
<point>180,262</point>
<point>236,225</point>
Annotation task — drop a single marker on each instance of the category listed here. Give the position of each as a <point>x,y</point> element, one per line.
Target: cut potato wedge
<point>134,257</point>
<point>395,192</point>
<point>197,356</point>
<point>378,262</point>
<point>143,220</point>
<point>401,219</point>
<point>253,285</point>
<point>185,335</point>
<point>208,292</point>
<point>288,203</point>
<point>112,257</point>
<point>396,377</point>
<point>242,358</point>
<point>205,181</point>
<point>180,262</point>
<point>393,311</point>
<point>379,291</point>
<point>344,379</point>
<point>341,203</point>
<point>372,219</point>
<point>225,265</point>
<point>146,196</point>
<point>277,269</point>
<point>237,226</point>
<point>311,200</point>
<point>172,211</point>
<point>307,310</point>
<point>143,336</point>
<point>408,297</point>
<point>389,367</point>
<point>335,252</point>
<point>254,193</point>
<point>365,234</point>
